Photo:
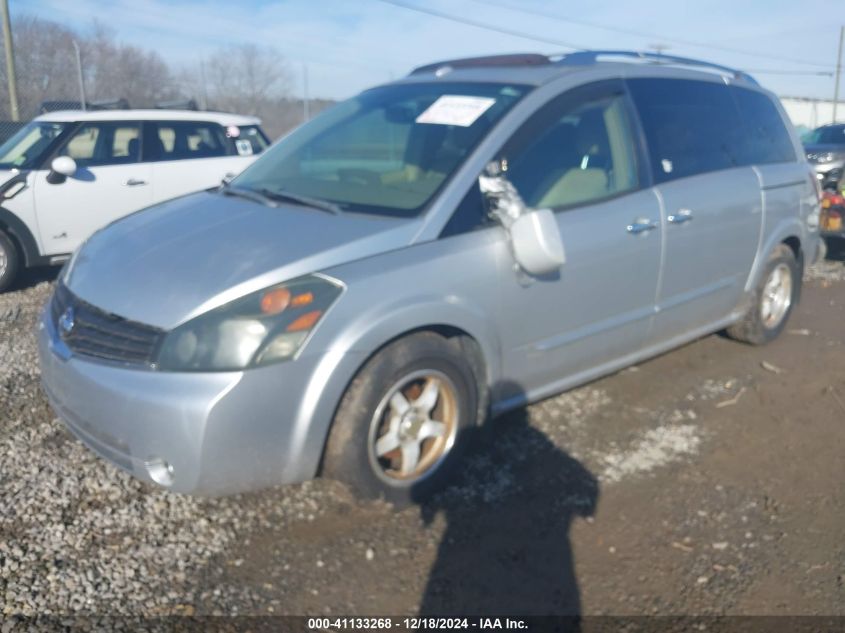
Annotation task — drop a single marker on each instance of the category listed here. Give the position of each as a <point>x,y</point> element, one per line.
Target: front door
<point>110,182</point>
<point>578,156</point>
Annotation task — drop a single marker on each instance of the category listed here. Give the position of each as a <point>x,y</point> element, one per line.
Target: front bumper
<point>221,433</point>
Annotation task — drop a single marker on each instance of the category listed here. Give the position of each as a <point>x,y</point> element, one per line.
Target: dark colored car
<point>825,147</point>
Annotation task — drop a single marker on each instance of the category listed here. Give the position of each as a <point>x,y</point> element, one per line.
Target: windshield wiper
<point>307,201</point>
<point>249,194</point>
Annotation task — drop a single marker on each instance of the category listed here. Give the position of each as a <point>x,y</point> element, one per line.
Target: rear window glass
<point>246,140</point>
<point>185,140</point>
<point>692,127</point>
<point>767,139</point>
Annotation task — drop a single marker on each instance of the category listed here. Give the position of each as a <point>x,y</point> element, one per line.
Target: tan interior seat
<point>575,186</point>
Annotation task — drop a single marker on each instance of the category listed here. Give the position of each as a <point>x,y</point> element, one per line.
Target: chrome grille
<point>100,334</point>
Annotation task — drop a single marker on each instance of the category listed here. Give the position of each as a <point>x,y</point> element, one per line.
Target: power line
<point>636,33</point>
<point>813,73</point>
<point>482,25</point>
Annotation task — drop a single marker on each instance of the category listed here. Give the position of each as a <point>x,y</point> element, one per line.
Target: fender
<point>356,344</point>
<point>786,228</point>
<point>15,227</point>
<point>373,331</point>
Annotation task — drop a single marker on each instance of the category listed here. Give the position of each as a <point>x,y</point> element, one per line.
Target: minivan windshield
<point>386,151</point>
<point>827,135</point>
<point>24,149</point>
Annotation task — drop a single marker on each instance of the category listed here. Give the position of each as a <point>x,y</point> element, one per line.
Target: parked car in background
<point>825,147</point>
<point>66,174</point>
<point>833,215</point>
<point>479,235</point>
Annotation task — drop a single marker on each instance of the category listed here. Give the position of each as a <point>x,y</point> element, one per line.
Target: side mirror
<point>534,234</point>
<point>60,169</point>
<point>537,246</point>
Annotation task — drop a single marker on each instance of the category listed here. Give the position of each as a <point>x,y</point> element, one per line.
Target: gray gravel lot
<point>79,536</point>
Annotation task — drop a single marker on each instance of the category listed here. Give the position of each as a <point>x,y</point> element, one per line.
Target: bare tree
<point>245,78</point>
<point>44,64</point>
<point>46,67</point>
<point>114,70</point>
<point>242,78</point>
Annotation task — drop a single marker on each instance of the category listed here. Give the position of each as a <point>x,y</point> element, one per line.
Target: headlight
<point>261,328</point>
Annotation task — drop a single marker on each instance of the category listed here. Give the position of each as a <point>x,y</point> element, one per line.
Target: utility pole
<point>838,71</point>
<point>306,105</point>
<point>10,61</point>
<point>79,76</point>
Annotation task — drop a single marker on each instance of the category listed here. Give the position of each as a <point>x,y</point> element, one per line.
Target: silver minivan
<point>474,237</point>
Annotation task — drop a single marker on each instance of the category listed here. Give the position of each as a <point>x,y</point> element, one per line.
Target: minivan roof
<point>223,118</point>
<point>536,69</point>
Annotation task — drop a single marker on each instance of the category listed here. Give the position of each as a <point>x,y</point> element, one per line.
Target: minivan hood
<point>173,261</point>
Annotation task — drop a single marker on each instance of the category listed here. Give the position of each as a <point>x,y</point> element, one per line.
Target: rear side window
<point>767,139</point>
<point>184,140</point>
<point>692,127</point>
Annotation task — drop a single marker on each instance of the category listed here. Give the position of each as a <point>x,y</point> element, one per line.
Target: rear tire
<point>398,433</point>
<point>9,261</point>
<point>772,300</point>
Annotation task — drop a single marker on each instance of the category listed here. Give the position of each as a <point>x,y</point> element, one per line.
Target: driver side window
<point>104,143</point>
<point>575,151</point>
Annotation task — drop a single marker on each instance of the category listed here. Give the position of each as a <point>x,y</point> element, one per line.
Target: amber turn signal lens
<point>275,301</point>
<point>302,300</point>
<point>305,322</point>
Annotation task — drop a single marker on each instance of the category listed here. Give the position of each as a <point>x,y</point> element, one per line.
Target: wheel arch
<point>794,242</point>
<point>21,236</point>
<point>359,343</point>
<point>788,232</point>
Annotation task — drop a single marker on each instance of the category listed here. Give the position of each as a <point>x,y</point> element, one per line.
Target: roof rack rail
<point>590,57</point>
<point>177,104</point>
<point>517,59</point>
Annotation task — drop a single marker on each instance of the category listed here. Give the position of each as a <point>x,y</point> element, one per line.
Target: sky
<point>345,46</point>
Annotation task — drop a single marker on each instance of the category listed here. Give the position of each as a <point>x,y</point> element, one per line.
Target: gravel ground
<point>79,536</point>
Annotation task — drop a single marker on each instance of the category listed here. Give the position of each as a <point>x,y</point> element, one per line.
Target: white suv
<point>67,174</point>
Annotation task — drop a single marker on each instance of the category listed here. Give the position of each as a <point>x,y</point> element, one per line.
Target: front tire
<point>772,301</point>
<point>399,430</point>
<point>9,261</point>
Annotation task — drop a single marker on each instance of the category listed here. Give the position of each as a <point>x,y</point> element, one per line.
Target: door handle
<point>683,215</point>
<point>641,226</point>
<point>135,182</point>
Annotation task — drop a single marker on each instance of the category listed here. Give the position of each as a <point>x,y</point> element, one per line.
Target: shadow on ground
<point>509,552</point>
<point>835,249</point>
<point>29,277</point>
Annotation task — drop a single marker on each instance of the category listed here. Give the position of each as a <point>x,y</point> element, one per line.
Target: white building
<point>807,114</point>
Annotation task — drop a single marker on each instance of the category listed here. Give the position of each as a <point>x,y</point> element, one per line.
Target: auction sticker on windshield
<point>455,110</point>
